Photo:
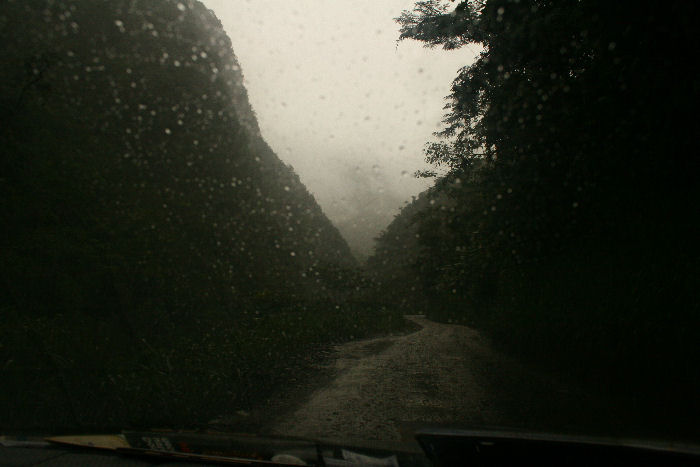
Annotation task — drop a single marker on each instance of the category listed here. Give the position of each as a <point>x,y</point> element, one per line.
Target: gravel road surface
<point>385,388</point>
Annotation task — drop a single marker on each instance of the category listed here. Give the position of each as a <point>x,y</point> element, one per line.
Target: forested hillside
<point>566,224</point>
<point>158,258</point>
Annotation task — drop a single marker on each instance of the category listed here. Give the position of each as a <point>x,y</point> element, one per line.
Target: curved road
<point>388,383</point>
<point>442,375</point>
<point>385,388</point>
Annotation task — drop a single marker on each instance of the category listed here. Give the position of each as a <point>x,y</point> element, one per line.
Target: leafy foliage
<point>148,230</point>
<point>560,227</point>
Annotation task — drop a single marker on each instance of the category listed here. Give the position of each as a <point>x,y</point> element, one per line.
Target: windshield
<point>349,219</point>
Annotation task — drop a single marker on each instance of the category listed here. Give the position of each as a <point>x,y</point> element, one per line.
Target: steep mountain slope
<point>128,123</point>
<point>159,264</point>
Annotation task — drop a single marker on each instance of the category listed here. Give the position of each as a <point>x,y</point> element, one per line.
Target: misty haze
<point>341,101</point>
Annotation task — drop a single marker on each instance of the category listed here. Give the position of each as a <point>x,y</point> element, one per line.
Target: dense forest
<point>160,264</point>
<point>564,220</point>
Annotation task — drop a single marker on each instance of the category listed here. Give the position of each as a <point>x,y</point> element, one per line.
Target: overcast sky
<point>338,99</point>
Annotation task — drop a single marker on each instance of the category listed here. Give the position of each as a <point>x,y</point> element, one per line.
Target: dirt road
<point>443,374</point>
<point>386,387</point>
<point>387,383</point>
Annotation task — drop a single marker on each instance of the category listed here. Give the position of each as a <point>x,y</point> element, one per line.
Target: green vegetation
<point>160,265</point>
<point>564,225</point>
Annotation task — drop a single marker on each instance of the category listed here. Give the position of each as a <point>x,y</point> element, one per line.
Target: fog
<point>338,99</point>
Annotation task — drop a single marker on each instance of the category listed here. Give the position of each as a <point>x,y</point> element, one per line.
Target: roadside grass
<point>86,373</point>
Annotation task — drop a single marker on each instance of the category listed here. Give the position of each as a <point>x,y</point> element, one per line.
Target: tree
<point>567,104</point>
<point>572,135</point>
